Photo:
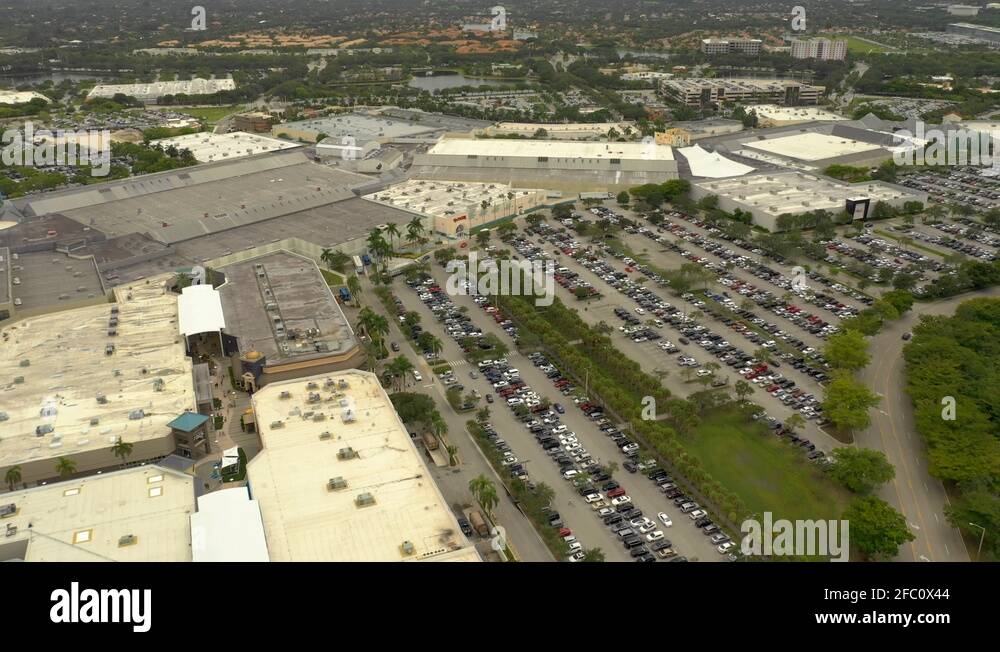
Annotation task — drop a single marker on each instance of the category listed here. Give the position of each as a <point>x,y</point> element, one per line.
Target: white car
<point>576,546</point>
<point>416,376</point>
<point>576,556</point>
<point>725,547</point>
<point>665,519</point>
<point>647,528</point>
<point>593,498</point>
<point>570,474</point>
<point>704,372</point>
<point>605,511</point>
<point>640,311</point>
<point>654,536</point>
<point>698,513</point>
<point>621,500</point>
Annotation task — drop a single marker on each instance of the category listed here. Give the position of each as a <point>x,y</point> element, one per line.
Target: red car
<point>614,493</point>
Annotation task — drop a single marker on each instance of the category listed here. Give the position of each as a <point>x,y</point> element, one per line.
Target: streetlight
<point>981,537</point>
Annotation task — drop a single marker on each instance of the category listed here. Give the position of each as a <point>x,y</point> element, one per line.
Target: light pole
<point>981,537</point>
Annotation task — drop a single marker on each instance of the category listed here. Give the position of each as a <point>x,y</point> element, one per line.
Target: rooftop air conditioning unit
<point>407,548</point>
<point>285,394</point>
<point>277,424</point>
<point>135,415</point>
<point>8,509</point>
<point>127,540</point>
<point>347,415</point>
<point>326,434</point>
<point>336,483</point>
<point>364,500</point>
<point>347,453</point>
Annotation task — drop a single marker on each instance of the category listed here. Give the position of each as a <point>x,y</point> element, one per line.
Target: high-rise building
<point>749,46</point>
<point>820,48</point>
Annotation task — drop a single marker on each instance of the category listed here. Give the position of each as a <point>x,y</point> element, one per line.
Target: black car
<point>631,467</point>
<point>638,550</point>
<point>466,528</point>
<point>612,519</point>
<point>610,486</point>
<point>395,346</point>
<point>661,544</point>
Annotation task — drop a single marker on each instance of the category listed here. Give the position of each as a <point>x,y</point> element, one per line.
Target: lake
<point>442,81</point>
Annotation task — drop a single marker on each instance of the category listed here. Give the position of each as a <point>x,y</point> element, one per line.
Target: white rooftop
<point>195,86</point>
<point>20,97</point>
<point>84,520</point>
<point>712,164</point>
<point>228,527</point>
<point>811,146</point>
<point>200,310</point>
<point>208,147</point>
<point>553,149</point>
<point>793,113</point>
<point>388,498</point>
<point>444,198</point>
<point>65,369</point>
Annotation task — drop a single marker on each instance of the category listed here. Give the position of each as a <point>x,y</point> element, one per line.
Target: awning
<point>199,310</point>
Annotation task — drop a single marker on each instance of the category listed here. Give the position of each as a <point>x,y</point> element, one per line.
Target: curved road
<point>919,496</point>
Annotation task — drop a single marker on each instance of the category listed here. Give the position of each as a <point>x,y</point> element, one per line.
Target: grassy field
<point>210,114</point>
<point>769,475</point>
<point>332,278</point>
<point>857,46</point>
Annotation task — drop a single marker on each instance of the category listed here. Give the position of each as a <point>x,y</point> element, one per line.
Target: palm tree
<point>393,232</point>
<point>65,467</point>
<point>371,355</point>
<point>452,455</point>
<point>335,259</point>
<point>435,344</point>
<point>354,287</point>
<point>485,492</point>
<point>122,449</point>
<point>415,230</point>
<point>13,476</point>
<point>762,355</point>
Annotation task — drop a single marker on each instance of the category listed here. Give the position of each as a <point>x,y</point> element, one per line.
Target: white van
<point>416,376</point>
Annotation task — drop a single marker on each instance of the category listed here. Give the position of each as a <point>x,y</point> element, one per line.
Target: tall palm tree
<point>334,259</point>
<point>414,230</point>
<point>12,477</point>
<point>122,449</point>
<point>485,493</point>
<point>354,287</point>
<point>65,467</point>
<point>371,356</point>
<point>393,232</point>
<point>435,345</point>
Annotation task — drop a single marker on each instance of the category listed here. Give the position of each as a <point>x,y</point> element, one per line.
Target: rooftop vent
<point>319,417</point>
<point>314,397</point>
<point>95,420</point>
<point>285,395</point>
<point>347,453</point>
<point>336,483</point>
<point>135,415</point>
<point>312,385</point>
<point>342,384</point>
<point>8,510</point>
<point>3,416</point>
<point>24,363</point>
<point>347,415</point>
<point>277,424</point>
<point>18,380</point>
<point>127,540</point>
<point>364,500</point>
<point>326,435</point>
<point>102,399</point>
<point>407,548</point>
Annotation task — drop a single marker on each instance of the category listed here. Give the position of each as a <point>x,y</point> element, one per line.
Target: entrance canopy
<point>199,310</point>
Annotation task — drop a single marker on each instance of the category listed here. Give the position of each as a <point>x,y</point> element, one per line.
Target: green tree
<point>12,476</point>
<point>485,493</point>
<point>593,555</point>
<point>122,449</point>
<point>847,402</point>
<point>743,389</point>
<point>861,469</point>
<point>354,287</point>
<point>877,530</point>
<point>623,198</point>
<point>794,422</point>
<point>483,236</point>
<point>65,467</point>
<point>848,350</point>
<point>393,232</point>
<point>335,259</point>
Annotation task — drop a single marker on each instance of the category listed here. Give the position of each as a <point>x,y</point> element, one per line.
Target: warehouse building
<point>983,32</point>
<point>772,115</point>
<point>769,196</point>
<point>560,131</point>
<point>282,321</point>
<point>340,479</point>
<point>140,514</point>
<point>701,91</point>
<point>551,165</point>
<point>367,132</point>
<point>207,147</point>
<point>457,207</point>
<point>75,383</point>
<point>149,93</point>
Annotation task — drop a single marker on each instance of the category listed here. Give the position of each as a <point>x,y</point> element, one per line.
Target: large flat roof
<point>553,149</point>
<point>812,146</point>
<point>299,297</point>
<point>712,164</point>
<point>304,520</point>
<point>443,198</point>
<point>363,128</point>
<point>48,277</point>
<point>84,520</point>
<point>794,192</point>
<point>192,202</point>
<point>195,86</point>
<point>67,368</point>
<point>793,113</point>
<point>228,527</point>
<point>207,147</point>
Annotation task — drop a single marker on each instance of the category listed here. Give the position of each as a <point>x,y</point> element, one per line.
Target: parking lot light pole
<point>981,538</point>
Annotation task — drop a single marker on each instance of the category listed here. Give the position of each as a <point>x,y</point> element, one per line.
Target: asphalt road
<point>920,497</point>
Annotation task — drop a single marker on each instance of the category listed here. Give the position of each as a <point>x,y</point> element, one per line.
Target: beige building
<point>819,48</point>
<point>340,479</point>
<point>457,207</point>
<point>140,514</point>
<point>709,90</point>
<point>74,383</point>
<point>674,137</point>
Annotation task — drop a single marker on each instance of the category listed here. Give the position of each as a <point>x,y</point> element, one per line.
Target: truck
<point>430,441</point>
<point>345,295</point>
<point>478,523</point>
<point>359,267</point>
